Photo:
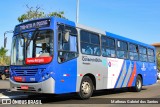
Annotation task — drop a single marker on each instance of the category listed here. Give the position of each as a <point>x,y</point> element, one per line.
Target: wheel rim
<point>139,84</point>
<point>86,87</point>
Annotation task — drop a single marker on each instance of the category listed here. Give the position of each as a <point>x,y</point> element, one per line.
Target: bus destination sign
<point>33,24</point>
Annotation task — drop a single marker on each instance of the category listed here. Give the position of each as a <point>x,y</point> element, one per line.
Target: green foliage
<point>57,14</point>
<point>4,60</point>
<point>3,52</point>
<point>36,13</point>
<point>158,61</point>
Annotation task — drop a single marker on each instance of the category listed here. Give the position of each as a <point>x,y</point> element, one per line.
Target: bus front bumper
<point>46,86</point>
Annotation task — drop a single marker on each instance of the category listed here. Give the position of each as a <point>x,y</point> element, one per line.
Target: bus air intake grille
<point>26,72</point>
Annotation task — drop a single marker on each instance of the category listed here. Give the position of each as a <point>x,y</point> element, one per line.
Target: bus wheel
<point>86,88</point>
<point>3,77</point>
<point>138,85</point>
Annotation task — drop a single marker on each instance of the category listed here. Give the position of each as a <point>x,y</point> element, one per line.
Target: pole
<point>4,39</point>
<point>77,12</point>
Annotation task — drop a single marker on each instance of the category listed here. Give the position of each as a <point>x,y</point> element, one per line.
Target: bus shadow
<point>112,91</point>
<point>3,90</point>
<point>52,98</point>
<point>73,98</point>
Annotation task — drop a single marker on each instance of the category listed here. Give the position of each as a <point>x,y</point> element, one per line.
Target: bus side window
<point>67,50</point>
<point>90,44</point>
<point>122,49</point>
<point>143,53</point>
<point>97,51</point>
<point>150,55</point>
<point>88,50</point>
<point>133,51</point>
<point>108,46</point>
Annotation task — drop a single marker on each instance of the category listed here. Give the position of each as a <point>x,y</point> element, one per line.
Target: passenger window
<point>142,53</point>
<point>90,44</point>
<point>133,52</point>
<point>151,55</point>
<point>85,36</point>
<point>67,50</point>
<point>122,49</point>
<point>108,47</point>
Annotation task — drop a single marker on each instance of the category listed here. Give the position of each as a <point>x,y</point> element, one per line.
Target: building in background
<point>157,45</point>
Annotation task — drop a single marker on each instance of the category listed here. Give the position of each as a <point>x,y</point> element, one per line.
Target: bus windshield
<point>31,46</point>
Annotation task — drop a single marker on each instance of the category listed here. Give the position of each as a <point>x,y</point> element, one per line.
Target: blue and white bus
<point>54,55</point>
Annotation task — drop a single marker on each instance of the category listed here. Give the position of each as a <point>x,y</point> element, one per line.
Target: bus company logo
<point>85,58</point>
<point>109,64</point>
<point>25,73</point>
<point>143,67</point>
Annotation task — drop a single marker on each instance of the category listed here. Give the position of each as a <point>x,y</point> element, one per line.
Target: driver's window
<point>67,50</point>
<point>13,51</point>
<point>20,50</point>
<point>30,50</point>
<point>38,49</point>
<point>43,44</point>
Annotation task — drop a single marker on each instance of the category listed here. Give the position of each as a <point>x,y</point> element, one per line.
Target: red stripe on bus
<point>132,76</point>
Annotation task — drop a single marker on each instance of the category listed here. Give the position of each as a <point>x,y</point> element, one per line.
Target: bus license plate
<point>24,87</point>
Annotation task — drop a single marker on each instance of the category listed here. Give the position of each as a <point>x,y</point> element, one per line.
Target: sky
<point>135,19</point>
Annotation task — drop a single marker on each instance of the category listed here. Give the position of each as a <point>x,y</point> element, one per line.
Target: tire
<point>138,84</point>
<point>3,77</point>
<point>86,88</point>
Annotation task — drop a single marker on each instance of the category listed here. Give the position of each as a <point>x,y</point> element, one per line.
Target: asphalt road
<point>100,98</point>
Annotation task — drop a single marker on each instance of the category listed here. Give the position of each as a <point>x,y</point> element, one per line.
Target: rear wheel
<point>86,88</point>
<point>138,84</point>
<point>3,77</point>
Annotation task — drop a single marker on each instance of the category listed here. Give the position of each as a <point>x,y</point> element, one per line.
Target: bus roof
<point>71,23</point>
<point>112,35</point>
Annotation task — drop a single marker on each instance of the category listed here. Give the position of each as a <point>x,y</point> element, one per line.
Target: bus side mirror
<point>66,36</point>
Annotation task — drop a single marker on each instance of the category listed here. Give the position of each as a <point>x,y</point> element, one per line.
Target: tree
<point>158,60</point>
<point>3,52</point>
<point>4,60</point>
<point>36,13</point>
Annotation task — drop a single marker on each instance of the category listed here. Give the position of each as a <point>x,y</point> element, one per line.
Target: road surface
<point>100,98</point>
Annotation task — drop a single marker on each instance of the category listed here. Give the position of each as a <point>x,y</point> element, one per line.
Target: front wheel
<point>86,88</point>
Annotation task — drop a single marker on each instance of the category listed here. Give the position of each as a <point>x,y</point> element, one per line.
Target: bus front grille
<point>26,72</point>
